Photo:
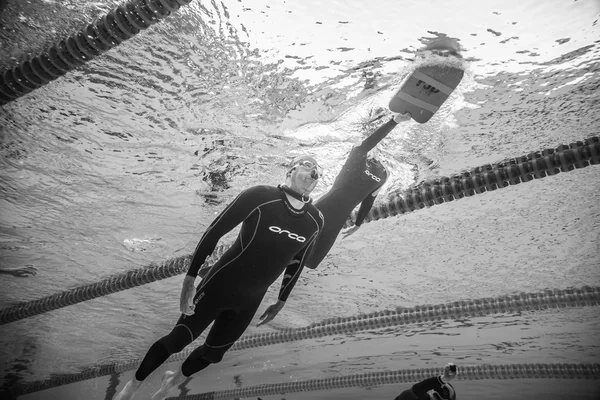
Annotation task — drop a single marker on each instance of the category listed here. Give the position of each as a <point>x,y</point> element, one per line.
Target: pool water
<point>125,161</point>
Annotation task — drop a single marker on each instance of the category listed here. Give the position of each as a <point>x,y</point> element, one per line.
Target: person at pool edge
<point>359,181</point>
<point>435,388</point>
<point>278,224</point>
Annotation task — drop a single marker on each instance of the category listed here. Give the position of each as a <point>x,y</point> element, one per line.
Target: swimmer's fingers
<point>402,117</point>
<point>191,307</point>
<point>270,313</point>
<point>265,318</point>
<point>186,301</point>
<point>350,231</point>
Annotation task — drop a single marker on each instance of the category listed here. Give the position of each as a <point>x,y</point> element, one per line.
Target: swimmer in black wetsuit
<point>278,225</point>
<point>435,388</point>
<point>359,181</point>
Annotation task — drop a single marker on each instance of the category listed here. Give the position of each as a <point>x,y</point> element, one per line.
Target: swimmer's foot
<point>170,381</point>
<point>129,390</point>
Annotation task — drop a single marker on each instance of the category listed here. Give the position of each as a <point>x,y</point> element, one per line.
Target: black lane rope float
<point>118,25</point>
<point>401,316</point>
<point>487,178</point>
<point>522,169</point>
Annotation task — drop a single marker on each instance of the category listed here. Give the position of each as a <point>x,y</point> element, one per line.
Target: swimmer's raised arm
<point>380,133</point>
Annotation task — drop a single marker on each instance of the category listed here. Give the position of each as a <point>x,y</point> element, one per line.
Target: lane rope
<point>536,165</point>
<point>370,379</point>
<point>106,32</point>
<point>548,299</point>
<point>487,178</point>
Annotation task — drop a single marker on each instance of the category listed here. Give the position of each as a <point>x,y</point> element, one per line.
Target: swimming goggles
<point>312,165</point>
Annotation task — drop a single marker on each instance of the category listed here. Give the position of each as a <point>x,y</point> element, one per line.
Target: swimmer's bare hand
<point>350,231</point>
<point>271,312</point>
<point>402,118</point>
<point>186,301</point>
<point>21,272</point>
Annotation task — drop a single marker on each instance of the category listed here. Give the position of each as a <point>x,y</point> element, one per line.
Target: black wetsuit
<point>272,234</point>
<point>358,182</point>
<point>419,390</point>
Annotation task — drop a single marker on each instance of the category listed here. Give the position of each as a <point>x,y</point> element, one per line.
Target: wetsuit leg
<point>227,329</point>
<point>186,330</point>
<point>162,349</point>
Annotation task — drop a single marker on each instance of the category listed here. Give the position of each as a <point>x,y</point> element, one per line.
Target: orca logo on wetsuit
<point>291,235</point>
<point>375,178</point>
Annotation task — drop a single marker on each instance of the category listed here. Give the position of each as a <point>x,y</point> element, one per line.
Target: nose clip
<point>314,174</point>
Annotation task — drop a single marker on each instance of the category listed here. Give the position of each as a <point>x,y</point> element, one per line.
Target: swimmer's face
<point>304,174</point>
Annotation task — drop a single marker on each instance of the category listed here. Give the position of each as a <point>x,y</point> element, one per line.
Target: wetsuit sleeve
<point>380,133</point>
<point>235,213</point>
<point>364,209</point>
<point>290,277</point>
<point>367,203</point>
<point>294,269</point>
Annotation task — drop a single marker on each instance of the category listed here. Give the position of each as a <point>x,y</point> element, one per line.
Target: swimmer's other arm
<point>364,209</point>
<point>290,277</point>
<point>233,215</point>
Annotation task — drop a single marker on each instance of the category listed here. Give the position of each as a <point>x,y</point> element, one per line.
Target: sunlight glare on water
<point>125,161</point>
